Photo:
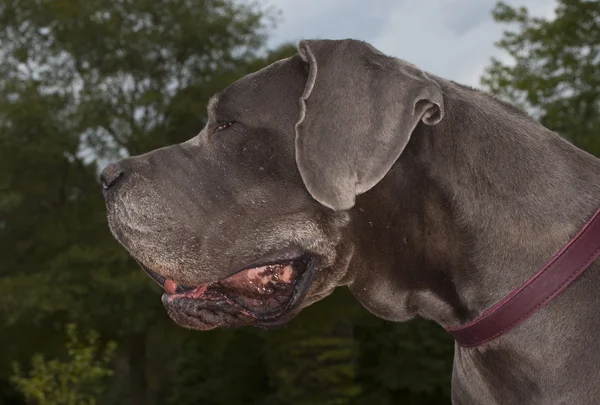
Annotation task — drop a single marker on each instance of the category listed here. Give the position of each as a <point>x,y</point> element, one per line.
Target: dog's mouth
<point>259,294</point>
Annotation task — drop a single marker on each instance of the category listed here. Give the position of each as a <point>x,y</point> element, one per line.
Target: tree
<point>333,353</point>
<point>76,381</point>
<point>556,69</point>
<point>314,360</point>
<point>82,82</point>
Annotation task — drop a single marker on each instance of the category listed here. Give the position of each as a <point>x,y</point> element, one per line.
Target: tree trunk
<point>138,387</point>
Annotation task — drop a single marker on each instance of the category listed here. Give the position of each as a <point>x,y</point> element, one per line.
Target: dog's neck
<point>473,215</point>
<point>515,198</point>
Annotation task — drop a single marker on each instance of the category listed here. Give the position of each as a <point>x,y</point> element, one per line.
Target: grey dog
<point>341,166</point>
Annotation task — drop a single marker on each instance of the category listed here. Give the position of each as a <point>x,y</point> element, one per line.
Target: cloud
<point>450,38</point>
<point>331,19</point>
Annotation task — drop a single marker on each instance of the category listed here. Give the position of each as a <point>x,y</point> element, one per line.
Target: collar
<point>535,293</point>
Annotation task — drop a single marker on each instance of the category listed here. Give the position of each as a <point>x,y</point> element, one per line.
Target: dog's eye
<point>224,125</point>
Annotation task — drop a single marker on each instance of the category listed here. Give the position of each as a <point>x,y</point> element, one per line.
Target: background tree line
<point>84,82</point>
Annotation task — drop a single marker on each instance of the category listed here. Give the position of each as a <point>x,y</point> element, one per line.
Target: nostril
<point>110,175</point>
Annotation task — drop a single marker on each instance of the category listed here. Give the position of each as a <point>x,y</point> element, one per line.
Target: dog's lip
<point>301,286</point>
<point>272,319</point>
<point>160,280</point>
<point>297,266</point>
<point>210,296</point>
<point>289,254</point>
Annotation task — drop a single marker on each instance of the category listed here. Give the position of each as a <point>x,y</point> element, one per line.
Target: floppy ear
<point>357,112</point>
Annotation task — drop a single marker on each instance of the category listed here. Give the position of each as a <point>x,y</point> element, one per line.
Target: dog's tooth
<point>286,274</point>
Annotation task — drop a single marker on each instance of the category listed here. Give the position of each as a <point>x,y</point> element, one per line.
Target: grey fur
<point>366,115</point>
<point>439,220</point>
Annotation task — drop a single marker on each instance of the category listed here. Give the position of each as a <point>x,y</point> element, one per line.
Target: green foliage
<point>315,359</point>
<point>83,82</point>
<point>556,69</point>
<point>311,361</point>
<point>404,362</point>
<point>221,367</point>
<point>332,353</point>
<point>78,380</point>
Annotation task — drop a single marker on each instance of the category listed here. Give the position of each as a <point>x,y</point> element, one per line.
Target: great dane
<point>341,166</point>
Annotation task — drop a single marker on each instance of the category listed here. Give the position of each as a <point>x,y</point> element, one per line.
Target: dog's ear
<point>357,113</point>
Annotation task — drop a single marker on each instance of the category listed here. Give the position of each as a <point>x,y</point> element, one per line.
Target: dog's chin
<point>268,295</point>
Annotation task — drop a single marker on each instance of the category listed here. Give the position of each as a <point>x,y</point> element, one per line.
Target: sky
<point>453,39</point>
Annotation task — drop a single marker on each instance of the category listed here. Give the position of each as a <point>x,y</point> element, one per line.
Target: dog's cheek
<point>338,273</point>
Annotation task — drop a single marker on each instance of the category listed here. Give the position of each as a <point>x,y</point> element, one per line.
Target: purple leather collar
<point>558,273</point>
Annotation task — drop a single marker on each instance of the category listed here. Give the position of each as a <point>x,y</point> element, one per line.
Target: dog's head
<point>251,220</point>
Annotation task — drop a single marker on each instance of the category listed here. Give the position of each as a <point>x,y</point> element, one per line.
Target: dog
<point>342,166</point>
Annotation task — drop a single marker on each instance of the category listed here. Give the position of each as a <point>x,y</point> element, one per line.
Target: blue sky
<point>451,38</point>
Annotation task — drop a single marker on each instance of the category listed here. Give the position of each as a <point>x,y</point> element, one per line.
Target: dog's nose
<point>111,174</point>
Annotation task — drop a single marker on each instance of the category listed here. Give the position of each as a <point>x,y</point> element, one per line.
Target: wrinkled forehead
<point>265,97</point>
